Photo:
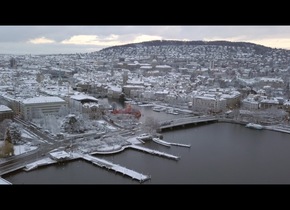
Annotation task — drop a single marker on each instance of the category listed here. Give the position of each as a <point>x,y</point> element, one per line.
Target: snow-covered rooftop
<point>115,88</point>
<point>270,101</point>
<point>42,99</point>
<point>146,67</point>
<point>59,155</point>
<point>163,66</point>
<point>91,104</point>
<point>83,97</point>
<point>4,108</point>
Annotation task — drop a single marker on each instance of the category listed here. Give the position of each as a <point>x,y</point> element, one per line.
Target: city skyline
<point>86,39</point>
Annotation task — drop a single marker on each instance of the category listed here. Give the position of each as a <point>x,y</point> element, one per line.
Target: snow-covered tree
<point>3,126</point>
<point>7,148</point>
<point>73,124</point>
<point>276,113</point>
<point>51,124</point>
<point>8,135</point>
<point>15,132</point>
<point>63,111</point>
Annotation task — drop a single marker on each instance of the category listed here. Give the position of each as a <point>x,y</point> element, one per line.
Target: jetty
<point>168,144</point>
<point>117,168</point>
<point>154,152</point>
<point>180,145</point>
<point>96,161</point>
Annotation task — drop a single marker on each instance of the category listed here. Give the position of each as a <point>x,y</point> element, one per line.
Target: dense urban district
<point>57,98</point>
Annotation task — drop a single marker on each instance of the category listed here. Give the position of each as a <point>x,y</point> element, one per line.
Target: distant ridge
<point>190,43</point>
<point>186,49</point>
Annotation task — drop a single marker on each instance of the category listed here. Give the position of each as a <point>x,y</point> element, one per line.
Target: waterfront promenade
<point>278,127</point>
<point>60,156</point>
<point>116,149</point>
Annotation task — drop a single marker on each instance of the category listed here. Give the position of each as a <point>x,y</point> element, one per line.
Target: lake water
<point>220,153</point>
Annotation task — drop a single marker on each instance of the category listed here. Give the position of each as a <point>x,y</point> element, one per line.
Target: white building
<point>268,103</point>
<point>250,104</point>
<point>208,103</point>
<point>47,105</point>
<point>114,91</point>
<point>77,101</point>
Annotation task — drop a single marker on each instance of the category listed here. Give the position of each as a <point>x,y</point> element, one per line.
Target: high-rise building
<point>211,64</point>
<point>125,76</point>
<point>12,63</point>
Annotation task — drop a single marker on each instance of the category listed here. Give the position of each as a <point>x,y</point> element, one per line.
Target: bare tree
<point>7,148</point>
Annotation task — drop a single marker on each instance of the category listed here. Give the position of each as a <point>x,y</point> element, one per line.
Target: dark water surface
<point>220,153</point>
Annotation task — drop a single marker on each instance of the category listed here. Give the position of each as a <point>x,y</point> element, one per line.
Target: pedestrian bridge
<point>187,121</point>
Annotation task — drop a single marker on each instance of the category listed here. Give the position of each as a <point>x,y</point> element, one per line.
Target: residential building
<point>85,104</point>
<point>5,113</point>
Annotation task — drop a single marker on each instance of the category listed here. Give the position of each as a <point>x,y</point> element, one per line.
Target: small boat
<point>144,137</point>
<point>255,126</point>
<point>172,111</point>
<point>159,141</point>
<point>157,109</point>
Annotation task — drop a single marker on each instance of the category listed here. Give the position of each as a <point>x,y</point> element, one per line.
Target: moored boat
<point>144,136</point>
<point>255,126</point>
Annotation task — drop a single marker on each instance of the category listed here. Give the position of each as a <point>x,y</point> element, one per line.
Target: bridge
<point>186,121</point>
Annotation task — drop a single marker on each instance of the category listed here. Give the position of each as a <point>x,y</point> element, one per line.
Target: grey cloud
<point>15,36</point>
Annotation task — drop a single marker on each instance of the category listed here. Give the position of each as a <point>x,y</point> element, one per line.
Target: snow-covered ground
<point>19,149</point>
<point>107,125</point>
<point>25,134</point>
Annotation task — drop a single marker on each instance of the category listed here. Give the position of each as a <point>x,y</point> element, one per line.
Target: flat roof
<point>83,97</point>
<point>42,99</point>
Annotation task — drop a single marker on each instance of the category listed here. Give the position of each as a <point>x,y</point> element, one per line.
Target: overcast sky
<point>82,39</point>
